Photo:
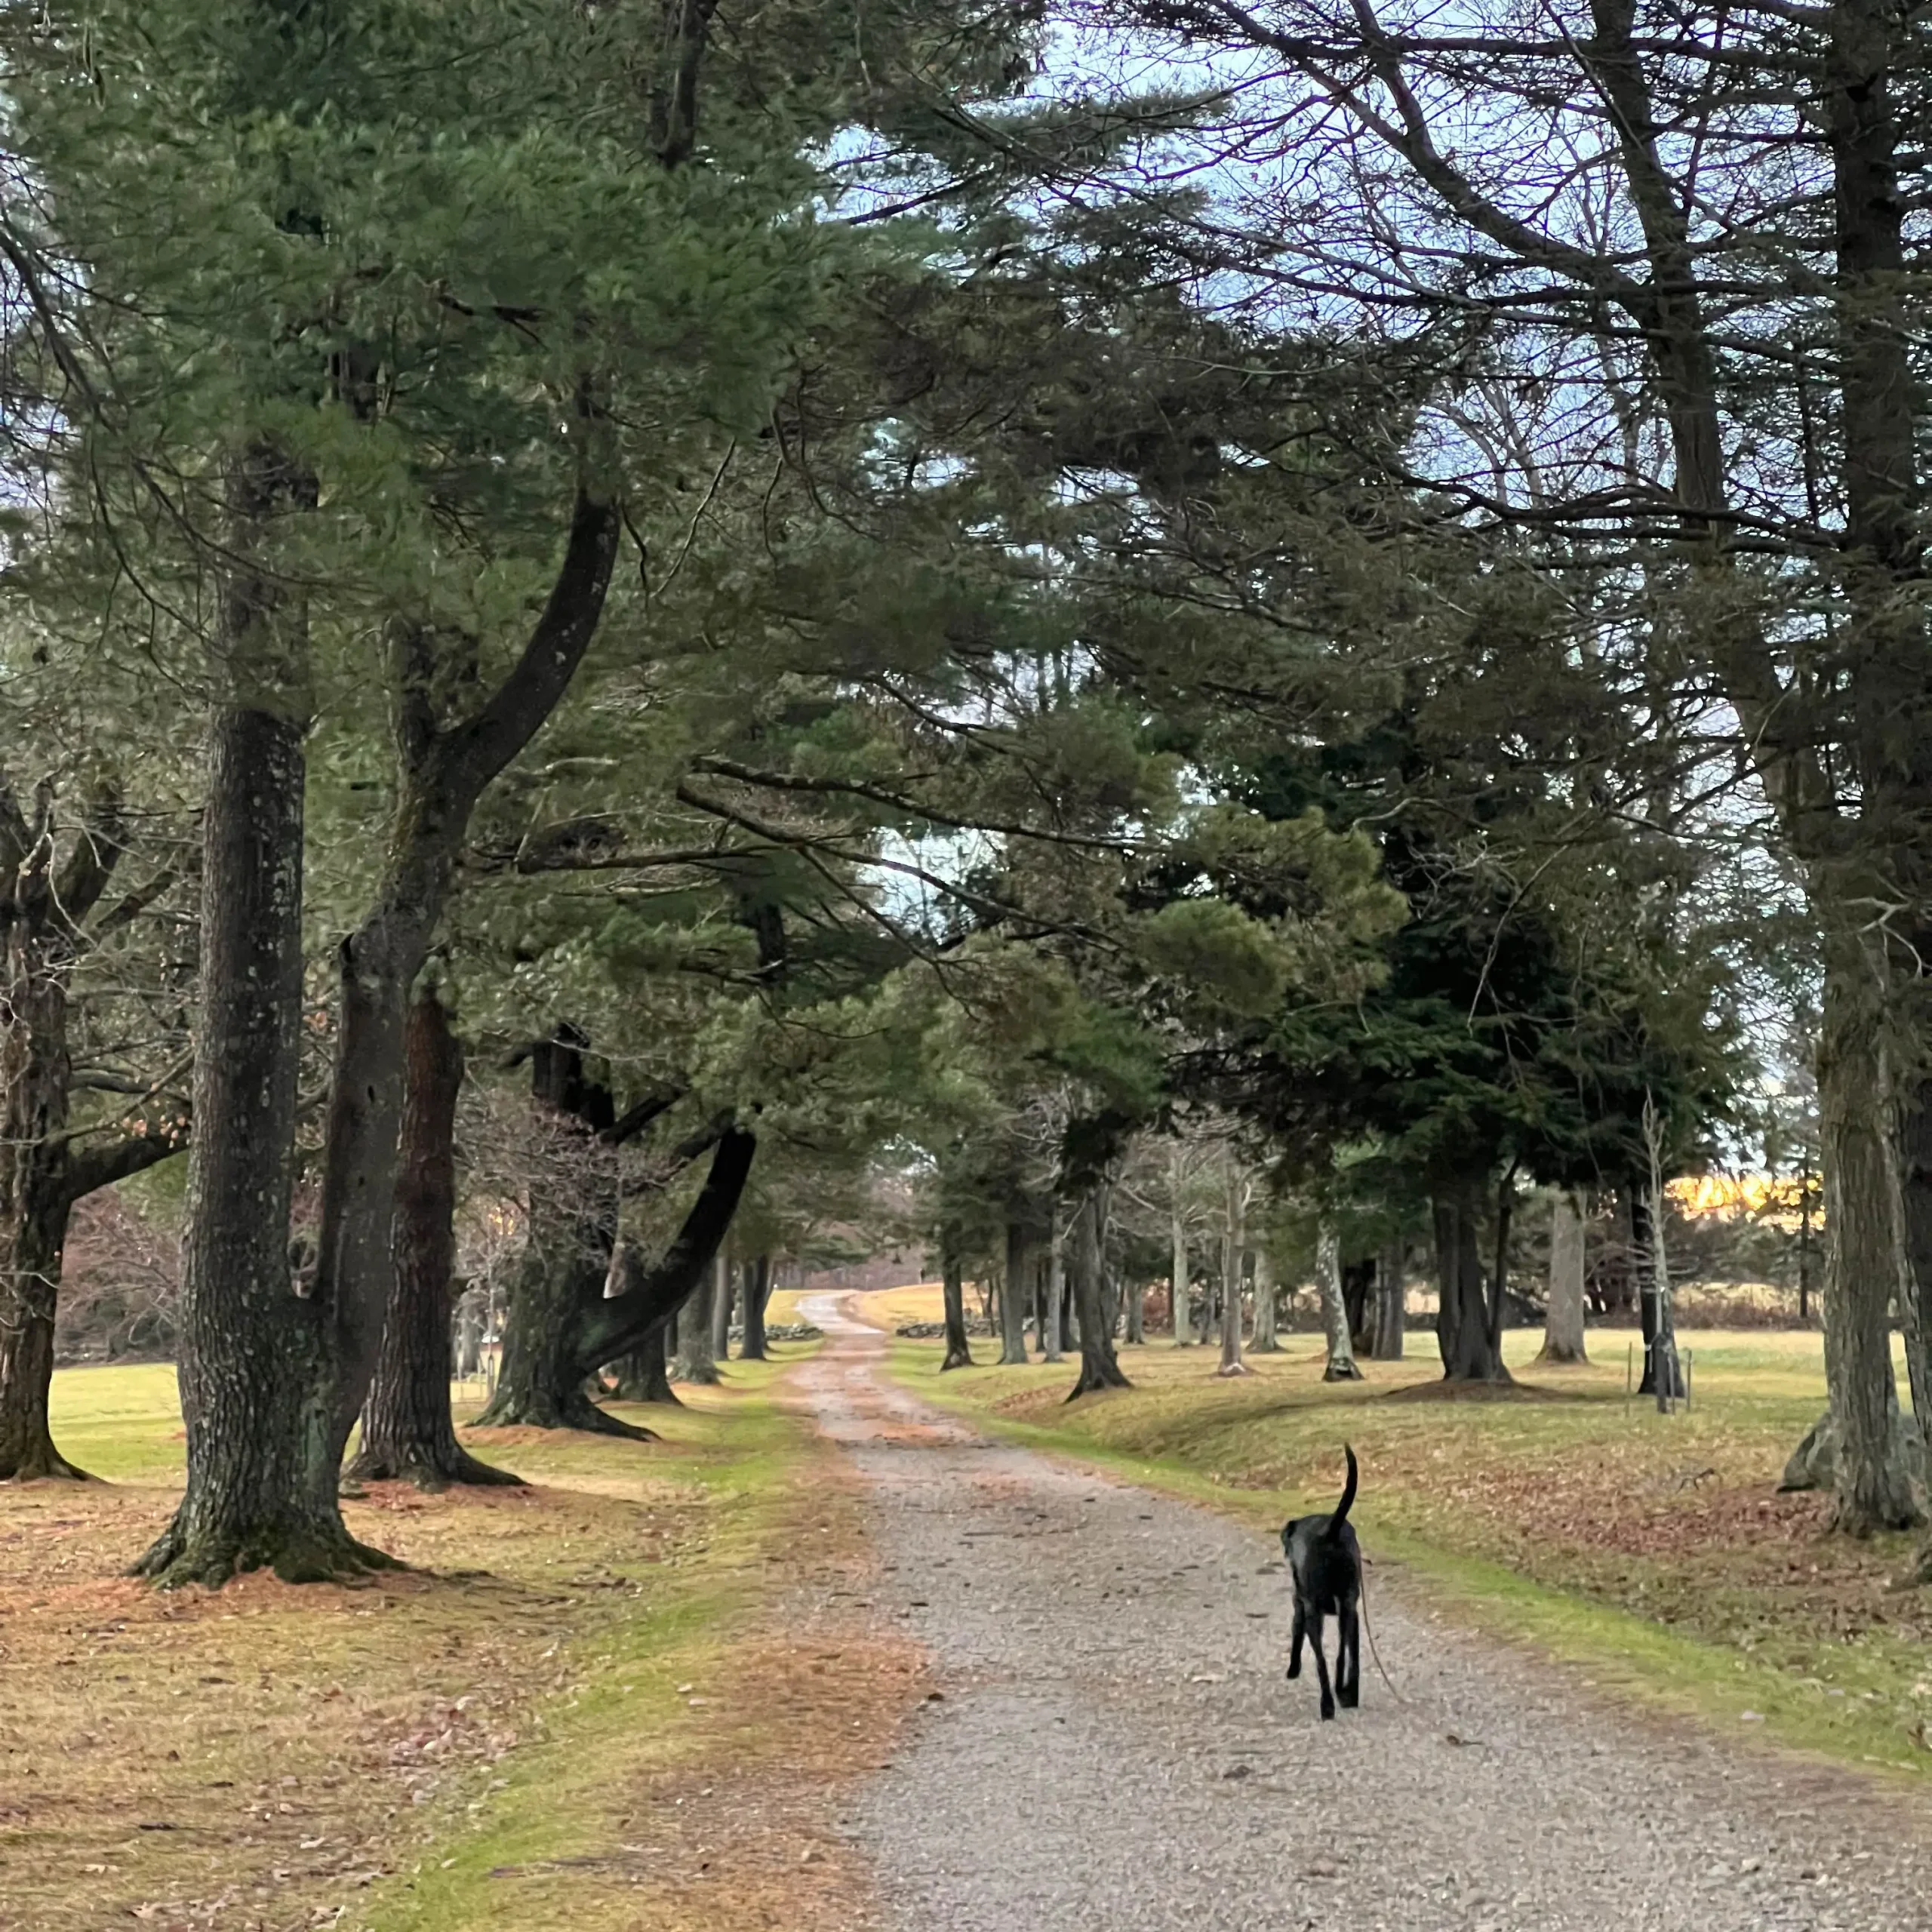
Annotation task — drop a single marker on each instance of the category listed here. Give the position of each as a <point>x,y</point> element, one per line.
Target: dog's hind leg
<point>1295,1636</point>
<point>1321,1666</point>
<point>1348,1657</point>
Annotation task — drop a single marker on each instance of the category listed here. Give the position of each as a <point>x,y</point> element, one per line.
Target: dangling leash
<point>1371,1628</point>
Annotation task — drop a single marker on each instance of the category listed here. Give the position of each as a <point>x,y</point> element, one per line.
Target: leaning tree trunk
<point>1865,1262</point>
<point>644,1374</point>
<point>1233,1249</point>
<point>1086,1242</point>
<point>757,1292</point>
<point>1012,1293</point>
<point>724,1295</point>
<point>1462,1313</point>
<point>408,1434</point>
<point>1563,1322</point>
<point>258,1386</point>
<point>1392,1311</point>
<point>446,765</point>
<point>1340,1366</point>
<point>958,1348</point>
<point>695,1362</point>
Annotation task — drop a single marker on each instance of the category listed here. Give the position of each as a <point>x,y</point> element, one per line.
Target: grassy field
<point>1652,1549</point>
<point>579,1708</point>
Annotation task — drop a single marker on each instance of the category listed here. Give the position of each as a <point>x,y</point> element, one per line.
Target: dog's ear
<point>1288,1529</point>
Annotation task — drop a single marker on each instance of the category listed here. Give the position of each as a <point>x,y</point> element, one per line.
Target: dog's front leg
<point>1295,1636</point>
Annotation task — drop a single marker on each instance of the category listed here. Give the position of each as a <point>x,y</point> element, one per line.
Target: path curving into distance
<point>1116,1750</point>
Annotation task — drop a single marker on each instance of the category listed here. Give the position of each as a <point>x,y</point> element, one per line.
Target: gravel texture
<point>1116,1747</point>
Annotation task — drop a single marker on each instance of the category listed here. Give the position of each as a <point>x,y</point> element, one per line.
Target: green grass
<point>1650,1551</point>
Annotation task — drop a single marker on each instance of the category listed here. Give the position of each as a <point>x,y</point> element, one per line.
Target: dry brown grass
<point>267,1758</point>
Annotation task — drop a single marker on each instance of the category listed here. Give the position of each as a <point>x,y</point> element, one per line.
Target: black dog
<point>1325,1561</point>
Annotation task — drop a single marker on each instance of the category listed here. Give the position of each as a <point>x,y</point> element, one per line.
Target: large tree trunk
<point>1055,1288</point>
<point>408,1434</point>
<point>1340,1366</point>
<point>958,1348</point>
<point>757,1292</point>
<point>1462,1315</point>
<point>1563,1321</point>
<point>1392,1311</point>
<point>35,1070</point>
<point>1865,1265</point>
<point>1358,1293</point>
<point>579,1298</point>
<point>445,766</point>
<point>644,1374</point>
<point>695,1362</point>
<point>1267,1320</point>
<point>1233,1249</point>
<point>258,1386</point>
<point>1013,1292</point>
<point>1086,1243</point>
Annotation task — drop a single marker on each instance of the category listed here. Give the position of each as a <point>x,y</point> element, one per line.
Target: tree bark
<point>1086,1242</point>
<point>1563,1339</point>
<point>1462,1313</point>
<point>1013,1292</point>
<point>43,1170</point>
<point>1056,1289</point>
<point>1358,1297</point>
<point>1133,1306</point>
<point>1266,1340</point>
<point>696,1363</point>
<point>723,1296</point>
<point>1865,1269</point>
<point>1340,1366</point>
<point>442,773</point>
<point>958,1348</point>
<point>1179,1279</point>
<point>1233,1247</point>
<point>757,1292</point>
<point>644,1375</point>
<point>408,1434</point>
<point>1391,1312</point>
<point>258,1389</point>
<point>562,1325</point>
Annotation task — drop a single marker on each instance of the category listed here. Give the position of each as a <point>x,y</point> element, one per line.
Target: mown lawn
<point>1652,1548</point>
<point>528,1728</point>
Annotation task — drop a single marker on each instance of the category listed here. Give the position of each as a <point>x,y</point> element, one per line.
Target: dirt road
<point>1116,1749</point>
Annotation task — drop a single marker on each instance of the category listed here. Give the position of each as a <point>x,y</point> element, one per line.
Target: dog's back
<point>1323,1553</point>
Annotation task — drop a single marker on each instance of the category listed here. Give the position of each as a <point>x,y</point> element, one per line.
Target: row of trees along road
<point>627,624</point>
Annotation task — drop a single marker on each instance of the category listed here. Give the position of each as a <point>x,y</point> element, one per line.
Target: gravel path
<point>1116,1749</point>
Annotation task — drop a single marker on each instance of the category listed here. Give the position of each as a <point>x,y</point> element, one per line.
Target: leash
<point>1372,1650</point>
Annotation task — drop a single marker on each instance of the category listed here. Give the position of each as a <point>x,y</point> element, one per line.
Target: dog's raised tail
<point>1341,1515</point>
